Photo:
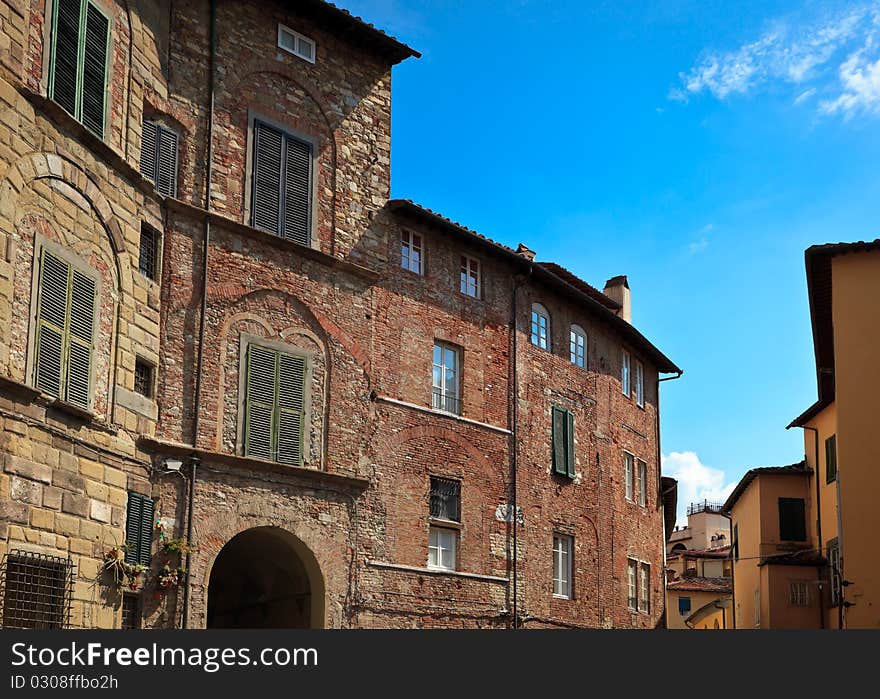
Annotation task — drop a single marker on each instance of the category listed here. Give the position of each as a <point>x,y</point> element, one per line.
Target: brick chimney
<point>617,288</point>
<point>525,251</point>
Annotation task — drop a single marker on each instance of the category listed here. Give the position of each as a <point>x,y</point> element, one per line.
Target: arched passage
<point>265,578</point>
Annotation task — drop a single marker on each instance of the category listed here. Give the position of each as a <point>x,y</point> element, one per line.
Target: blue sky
<point>697,146</point>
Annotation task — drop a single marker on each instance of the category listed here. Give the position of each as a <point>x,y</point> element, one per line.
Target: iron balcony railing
<point>447,403</point>
<point>705,506</point>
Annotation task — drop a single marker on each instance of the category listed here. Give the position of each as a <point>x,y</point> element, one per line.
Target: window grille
<point>36,590</point>
<point>131,611</point>
<point>445,499</point>
<point>148,257</point>
<point>143,377</point>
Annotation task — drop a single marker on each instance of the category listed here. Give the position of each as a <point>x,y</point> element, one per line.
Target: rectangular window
<point>757,607</point>
<point>799,594</point>
<point>684,606</point>
<point>297,44</point>
<point>470,276</point>
<point>563,547</point>
<point>640,384</point>
<point>540,334</point>
<point>36,590</point>
<point>644,588</point>
<point>131,611</point>
<point>835,572</point>
<point>578,347</point>
<point>411,252</point>
<point>442,546</point>
<point>159,157</point>
<point>281,201</point>
<point>274,405</point>
<point>624,374</point>
<point>629,475</point>
<point>642,475</point>
<point>139,525</point>
<point>831,459</point>
<point>445,499</point>
<point>66,305</point>
<point>563,441</point>
<point>445,379</point>
<point>792,519</point>
<point>148,255</point>
<point>78,63</point>
<point>632,572</point>
<point>144,377</point>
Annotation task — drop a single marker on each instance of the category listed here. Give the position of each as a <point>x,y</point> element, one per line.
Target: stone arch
<point>409,434</point>
<point>271,538</point>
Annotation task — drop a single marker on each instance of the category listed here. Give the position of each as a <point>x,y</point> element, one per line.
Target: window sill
<point>437,571</point>
<point>567,598</point>
<point>445,524</point>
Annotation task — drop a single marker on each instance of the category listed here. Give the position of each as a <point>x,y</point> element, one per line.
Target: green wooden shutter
<point>267,166</point>
<point>166,163</point>
<point>149,144</point>
<point>139,528</point>
<point>64,69</point>
<point>291,416</point>
<point>831,459</point>
<point>297,190</point>
<point>569,443</point>
<point>94,71</point>
<point>145,540</point>
<point>80,337</point>
<point>559,450</point>
<point>260,401</point>
<point>52,307</point>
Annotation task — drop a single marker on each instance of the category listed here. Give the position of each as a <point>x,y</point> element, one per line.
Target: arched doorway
<point>265,578</point>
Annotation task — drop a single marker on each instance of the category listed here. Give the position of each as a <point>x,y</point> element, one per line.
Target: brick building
<point>226,356</point>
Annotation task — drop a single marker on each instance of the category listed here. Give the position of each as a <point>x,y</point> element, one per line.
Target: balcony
<point>696,508</point>
<point>447,403</point>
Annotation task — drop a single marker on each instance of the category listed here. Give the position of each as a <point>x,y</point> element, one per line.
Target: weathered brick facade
<point>347,531</point>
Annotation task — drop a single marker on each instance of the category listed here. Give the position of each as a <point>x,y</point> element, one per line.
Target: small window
<point>640,384</point>
<point>563,547</point>
<point>131,611</point>
<point>684,606</point>
<point>139,525</point>
<point>296,43</point>
<point>445,499</point>
<point>540,336</point>
<point>629,475</point>
<point>144,377</point>
<point>835,572</point>
<point>442,548</point>
<point>757,607</point>
<point>632,585</point>
<point>792,519</point>
<point>644,588</point>
<point>831,459</point>
<point>624,373</point>
<point>411,252</point>
<point>445,379</point>
<point>799,594</point>
<point>159,157</point>
<point>148,257</point>
<point>563,441</point>
<point>36,591</point>
<point>78,62</point>
<point>578,346</point>
<point>470,276</point>
<point>642,475</point>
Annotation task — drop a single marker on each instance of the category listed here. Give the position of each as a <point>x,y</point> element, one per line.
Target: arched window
<point>540,336</point>
<point>578,346</point>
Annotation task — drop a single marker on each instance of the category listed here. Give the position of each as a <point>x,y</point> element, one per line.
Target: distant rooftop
<point>696,508</point>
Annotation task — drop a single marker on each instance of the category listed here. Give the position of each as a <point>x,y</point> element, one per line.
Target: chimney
<point>526,252</point>
<point>617,288</point>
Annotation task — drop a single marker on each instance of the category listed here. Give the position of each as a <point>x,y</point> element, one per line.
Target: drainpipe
<point>514,325</point>
<point>197,399</point>
<point>818,515</point>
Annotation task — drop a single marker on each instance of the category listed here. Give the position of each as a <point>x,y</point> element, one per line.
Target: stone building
<point>228,358</point>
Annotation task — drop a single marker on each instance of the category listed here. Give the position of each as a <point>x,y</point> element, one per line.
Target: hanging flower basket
<point>121,572</point>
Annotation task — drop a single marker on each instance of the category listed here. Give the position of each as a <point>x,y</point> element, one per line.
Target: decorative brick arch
<point>409,434</point>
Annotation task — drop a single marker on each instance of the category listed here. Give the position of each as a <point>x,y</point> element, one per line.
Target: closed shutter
<point>297,192</point>
<point>166,166</point>
<point>149,144</point>
<point>260,402</point>
<point>65,54</point>
<point>569,443</point>
<point>266,204</point>
<point>559,441</point>
<point>51,323</point>
<point>139,529</point>
<point>792,519</point>
<point>94,75</point>
<point>82,321</point>
<point>831,459</point>
<point>291,382</point>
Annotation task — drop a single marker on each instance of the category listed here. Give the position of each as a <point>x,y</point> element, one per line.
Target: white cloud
<point>835,55</point>
<point>696,481</point>
<point>702,242</point>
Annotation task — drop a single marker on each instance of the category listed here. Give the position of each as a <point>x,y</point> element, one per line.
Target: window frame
<point>641,474</point>
<point>639,383</point>
<point>629,460</point>
<point>798,593</point>
<point>441,531</point>
<point>684,612</point>
<point>757,607</point>
<point>297,36</point>
<point>577,351</point>
<point>800,525</point>
<point>139,551</point>
<point>831,458</point>
<point>440,395</point>
<point>160,128</point>
<point>632,584</point>
<point>156,261</point>
<point>835,572</point>
<point>467,265</point>
<point>625,373</point>
<point>567,467</point>
<point>456,495</point>
<point>541,312</point>
<point>563,553</point>
<point>644,584</point>
<point>407,240</point>
<point>151,367</point>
